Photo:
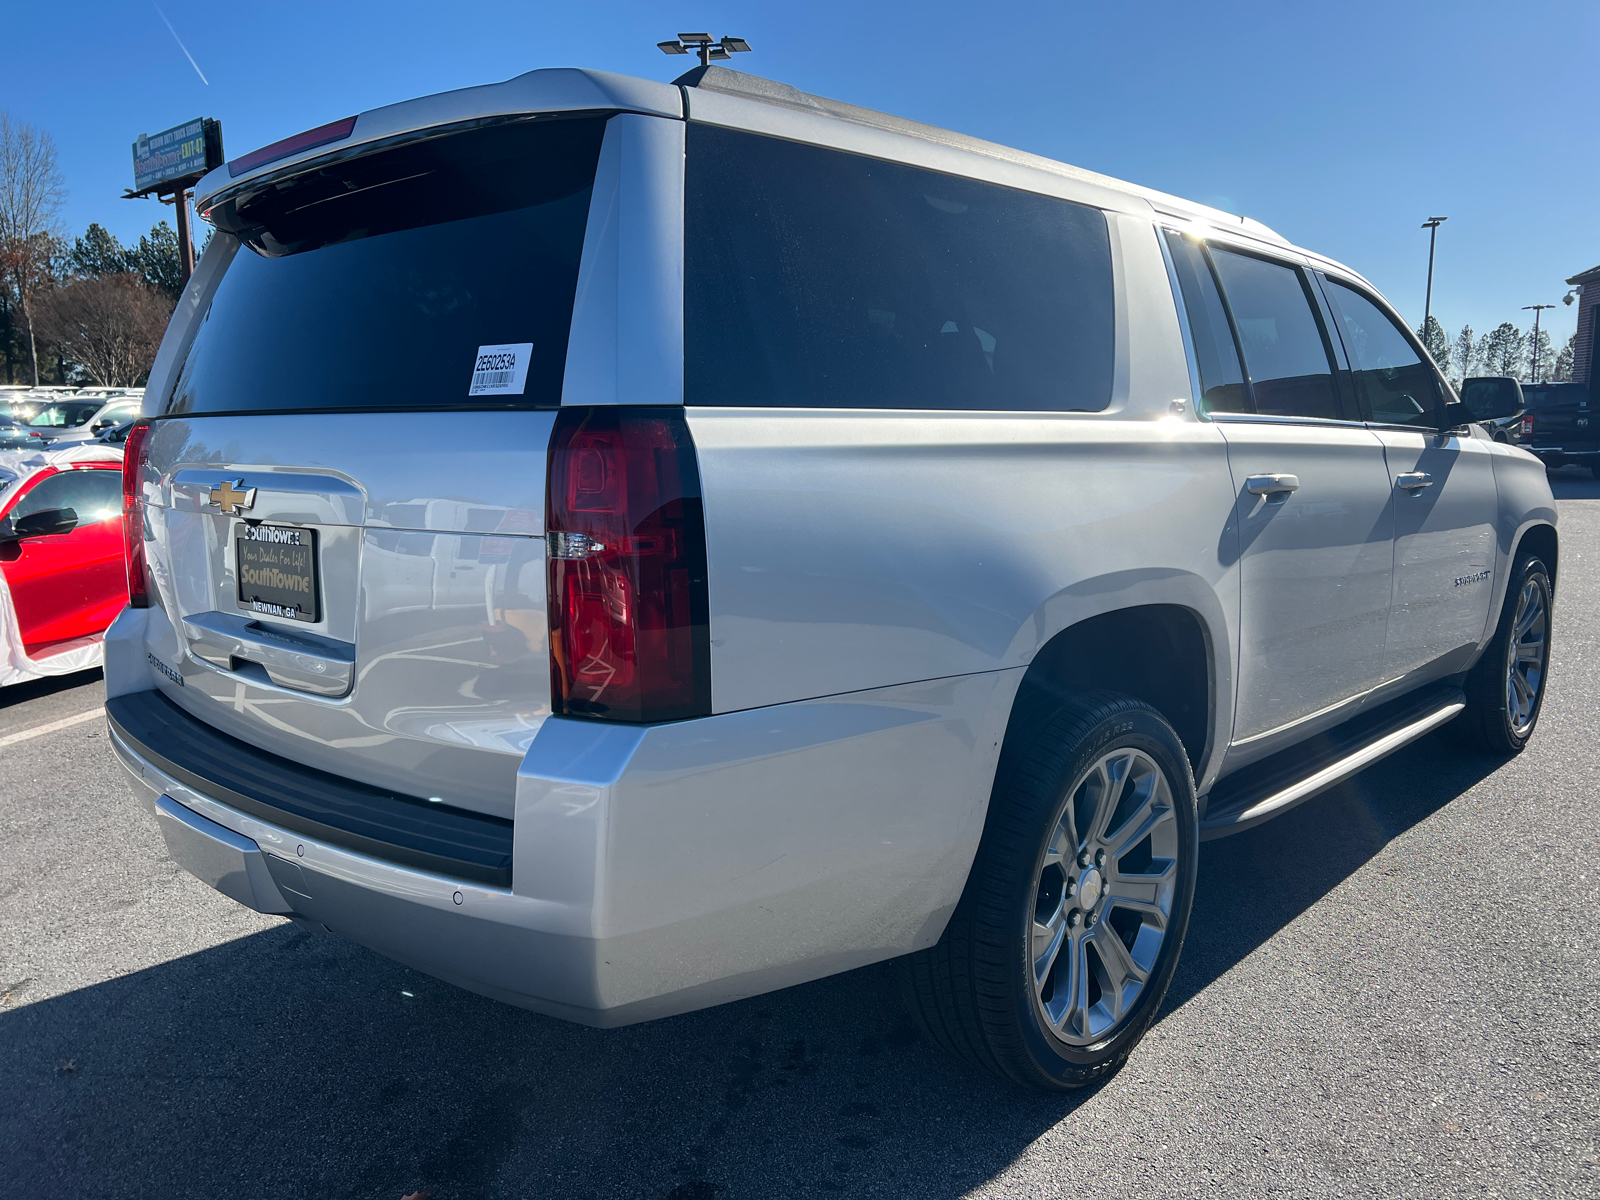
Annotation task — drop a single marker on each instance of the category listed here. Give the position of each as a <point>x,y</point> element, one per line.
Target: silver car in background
<point>855,541</point>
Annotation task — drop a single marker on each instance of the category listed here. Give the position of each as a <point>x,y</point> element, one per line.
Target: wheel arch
<point>1164,653</point>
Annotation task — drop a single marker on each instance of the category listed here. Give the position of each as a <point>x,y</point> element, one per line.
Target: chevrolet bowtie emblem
<point>233,497</point>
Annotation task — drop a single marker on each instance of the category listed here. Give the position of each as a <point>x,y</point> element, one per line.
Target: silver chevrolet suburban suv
<point>622,547</point>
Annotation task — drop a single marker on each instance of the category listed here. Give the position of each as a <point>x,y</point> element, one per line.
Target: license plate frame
<point>277,571</point>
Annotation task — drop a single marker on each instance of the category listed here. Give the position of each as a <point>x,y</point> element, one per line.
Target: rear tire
<point>1062,948</point>
<point>1505,690</point>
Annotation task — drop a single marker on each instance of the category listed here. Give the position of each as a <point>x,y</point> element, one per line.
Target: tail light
<point>1527,424</point>
<point>134,452</point>
<point>625,536</point>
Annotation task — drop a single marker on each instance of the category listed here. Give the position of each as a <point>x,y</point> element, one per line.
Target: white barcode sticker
<point>501,370</point>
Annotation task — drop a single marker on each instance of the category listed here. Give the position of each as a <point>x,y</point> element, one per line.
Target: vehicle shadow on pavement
<point>1574,483</point>
<point>290,1063</point>
<point>33,689</point>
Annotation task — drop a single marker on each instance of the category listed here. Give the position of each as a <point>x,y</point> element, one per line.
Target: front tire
<point>1057,958</point>
<point>1505,689</point>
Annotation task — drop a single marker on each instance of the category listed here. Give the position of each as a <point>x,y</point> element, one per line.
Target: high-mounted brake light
<point>625,538</point>
<point>134,453</point>
<point>334,131</point>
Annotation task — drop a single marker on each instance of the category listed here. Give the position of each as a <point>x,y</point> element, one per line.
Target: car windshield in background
<point>66,416</point>
<point>374,282</point>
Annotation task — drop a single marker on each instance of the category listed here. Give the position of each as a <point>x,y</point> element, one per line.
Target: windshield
<point>436,274</point>
<point>65,416</point>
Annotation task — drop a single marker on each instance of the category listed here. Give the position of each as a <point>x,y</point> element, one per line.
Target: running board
<point>1269,788</point>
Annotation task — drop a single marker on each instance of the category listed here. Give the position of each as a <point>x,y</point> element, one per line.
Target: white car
<point>854,541</point>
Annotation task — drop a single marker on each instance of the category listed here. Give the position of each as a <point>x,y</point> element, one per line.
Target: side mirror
<point>45,523</point>
<point>1492,399</point>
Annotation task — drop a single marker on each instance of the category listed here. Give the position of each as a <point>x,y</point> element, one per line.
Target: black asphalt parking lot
<point>1391,991</point>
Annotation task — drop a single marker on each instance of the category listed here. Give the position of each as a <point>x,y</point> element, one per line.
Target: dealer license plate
<point>277,571</point>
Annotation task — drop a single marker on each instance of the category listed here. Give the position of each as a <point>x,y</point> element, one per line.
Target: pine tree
<point>1465,353</point>
<point>156,258</point>
<point>1540,357</point>
<point>1562,371</point>
<point>1500,351</point>
<point>98,253</point>
<point>1435,342</point>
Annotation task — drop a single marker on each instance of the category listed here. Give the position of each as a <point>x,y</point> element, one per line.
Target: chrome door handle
<point>1272,485</point>
<point>304,662</point>
<point>1413,481</point>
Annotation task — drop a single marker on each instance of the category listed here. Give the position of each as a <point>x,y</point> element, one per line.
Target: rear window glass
<point>820,279</point>
<point>1554,395</point>
<point>375,282</point>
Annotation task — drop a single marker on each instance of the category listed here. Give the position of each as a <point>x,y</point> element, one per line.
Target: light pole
<point>1432,226</point>
<point>709,49</point>
<point>1533,357</point>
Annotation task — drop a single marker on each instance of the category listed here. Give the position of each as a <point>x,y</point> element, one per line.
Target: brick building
<point>1583,350</point>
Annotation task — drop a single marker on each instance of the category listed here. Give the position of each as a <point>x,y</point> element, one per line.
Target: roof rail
<point>769,91</point>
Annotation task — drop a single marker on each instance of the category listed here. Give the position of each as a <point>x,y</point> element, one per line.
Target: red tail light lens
<point>1527,425</point>
<point>625,535</point>
<point>134,452</point>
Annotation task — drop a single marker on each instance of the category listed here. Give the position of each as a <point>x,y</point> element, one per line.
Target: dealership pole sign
<point>176,157</point>
<point>168,164</point>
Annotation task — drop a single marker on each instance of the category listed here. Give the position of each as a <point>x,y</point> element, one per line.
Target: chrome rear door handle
<point>301,661</point>
<point>1413,481</point>
<point>1271,485</point>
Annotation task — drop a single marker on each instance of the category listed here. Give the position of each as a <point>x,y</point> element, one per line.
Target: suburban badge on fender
<point>232,497</point>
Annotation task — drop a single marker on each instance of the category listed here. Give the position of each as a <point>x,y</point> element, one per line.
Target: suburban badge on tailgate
<point>233,497</point>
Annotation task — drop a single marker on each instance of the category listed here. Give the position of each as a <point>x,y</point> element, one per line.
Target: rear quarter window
<point>820,279</point>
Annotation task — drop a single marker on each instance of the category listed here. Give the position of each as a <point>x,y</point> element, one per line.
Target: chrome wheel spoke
<point>1047,939</point>
<point>1108,777</point>
<point>1077,989</point>
<point>1155,811</point>
<point>1142,894</point>
<point>1120,968</point>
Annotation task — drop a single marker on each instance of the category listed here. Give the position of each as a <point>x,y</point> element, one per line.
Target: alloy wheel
<point>1102,897</point>
<point>1527,657</point>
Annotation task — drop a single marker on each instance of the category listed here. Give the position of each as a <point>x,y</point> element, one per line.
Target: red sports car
<point>62,579</point>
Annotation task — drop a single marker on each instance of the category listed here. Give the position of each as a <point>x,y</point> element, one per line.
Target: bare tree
<point>31,192</point>
<point>111,326</point>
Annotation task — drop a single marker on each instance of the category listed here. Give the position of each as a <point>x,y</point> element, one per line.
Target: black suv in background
<point>1559,425</point>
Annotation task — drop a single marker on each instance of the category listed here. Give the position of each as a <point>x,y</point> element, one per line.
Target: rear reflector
<point>335,131</point>
<point>625,538</point>
<point>134,452</point>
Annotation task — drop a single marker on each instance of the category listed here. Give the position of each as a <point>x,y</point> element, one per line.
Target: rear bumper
<point>658,869</point>
<point>1556,456</point>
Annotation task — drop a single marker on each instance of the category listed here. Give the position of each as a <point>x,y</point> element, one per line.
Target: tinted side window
<point>1284,354</point>
<point>1221,379</point>
<point>816,278</point>
<point>1392,377</point>
<point>95,495</point>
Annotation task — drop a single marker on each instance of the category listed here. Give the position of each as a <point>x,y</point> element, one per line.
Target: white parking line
<point>11,739</point>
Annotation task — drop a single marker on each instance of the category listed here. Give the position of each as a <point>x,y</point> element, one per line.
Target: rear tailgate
<point>1563,417</point>
<point>345,484</point>
<point>421,662</point>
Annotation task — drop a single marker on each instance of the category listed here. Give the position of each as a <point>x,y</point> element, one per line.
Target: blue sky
<point>1341,125</point>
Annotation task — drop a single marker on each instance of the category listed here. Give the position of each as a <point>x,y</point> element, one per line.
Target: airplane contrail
<point>181,46</point>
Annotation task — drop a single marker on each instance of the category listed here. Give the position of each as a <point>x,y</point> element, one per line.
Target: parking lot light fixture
<point>1432,225</point>
<point>708,48</point>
